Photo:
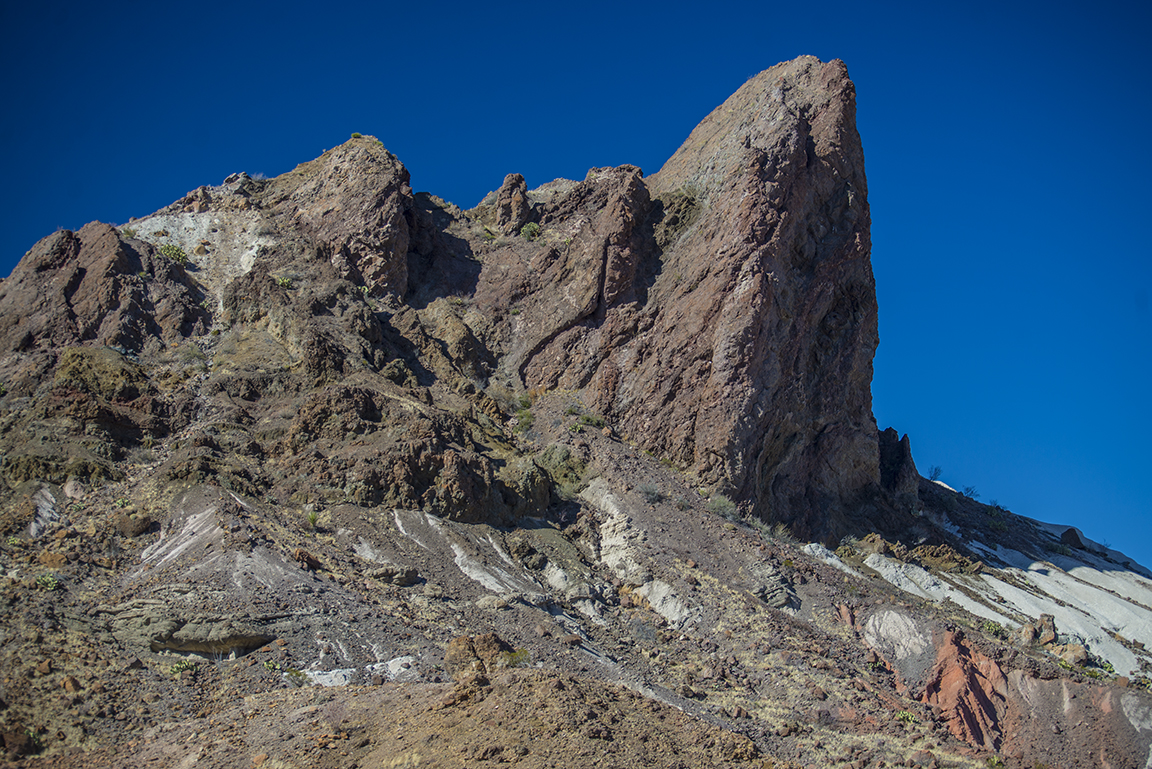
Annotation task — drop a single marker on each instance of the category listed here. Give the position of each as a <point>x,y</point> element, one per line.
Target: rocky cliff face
<point>323,430</point>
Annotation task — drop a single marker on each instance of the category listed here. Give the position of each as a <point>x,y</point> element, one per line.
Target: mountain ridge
<point>343,430</point>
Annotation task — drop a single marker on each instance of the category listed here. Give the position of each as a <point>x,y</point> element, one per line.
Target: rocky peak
<point>316,462</point>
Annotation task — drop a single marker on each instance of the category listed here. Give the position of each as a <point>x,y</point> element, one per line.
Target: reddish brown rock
<point>92,287</point>
<point>722,313</point>
<point>970,690</point>
<point>352,202</point>
<point>513,210</point>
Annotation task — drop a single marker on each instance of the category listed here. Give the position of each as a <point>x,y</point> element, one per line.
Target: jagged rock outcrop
<point>723,312</point>
<point>91,287</point>
<point>352,203</point>
<point>322,430</point>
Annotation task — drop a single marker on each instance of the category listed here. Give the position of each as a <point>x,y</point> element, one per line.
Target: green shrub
<point>284,282</point>
<point>994,629</point>
<point>175,253</point>
<point>295,678</point>
<point>524,420</point>
<point>722,506</point>
<point>907,717</point>
<point>128,232</point>
<point>48,582</point>
<point>356,135</point>
<point>521,658</point>
<point>181,666</point>
<point>530,231</point>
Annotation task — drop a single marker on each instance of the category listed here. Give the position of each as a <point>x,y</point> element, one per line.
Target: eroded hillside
<point>319,471</point>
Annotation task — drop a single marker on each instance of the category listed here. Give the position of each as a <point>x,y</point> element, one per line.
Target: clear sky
<point>1007,148</point>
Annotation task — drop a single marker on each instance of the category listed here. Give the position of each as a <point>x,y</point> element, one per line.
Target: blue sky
<point>1007,156</point>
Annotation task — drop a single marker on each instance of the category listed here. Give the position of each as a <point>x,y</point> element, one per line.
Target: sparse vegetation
<point>722,506</point>
<point>994,629</point>
<point>650,492</point>
<point>530,231</point>
<point>971,493</point>
<point>295,678</point>
<point>357,135</point>
<point>48,582</point>
<point>174,253</point>
<point>781,533</point>
<point>934,473</point>
<point>520,658</point>
<point>284,282</point>
<point>128,232</point>
<point>181,666</point>
<point>907,717</point>
<point>524,420</point>
<point>312,517</point>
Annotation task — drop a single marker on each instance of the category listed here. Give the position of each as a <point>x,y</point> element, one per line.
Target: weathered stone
<point>513,210</point>
<point>352,201</point>
<point>395,575</point>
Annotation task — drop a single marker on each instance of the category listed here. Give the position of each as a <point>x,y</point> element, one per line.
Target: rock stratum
<point>321,471</point>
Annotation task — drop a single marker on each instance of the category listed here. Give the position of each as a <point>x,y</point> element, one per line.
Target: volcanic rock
<point>319,471</point>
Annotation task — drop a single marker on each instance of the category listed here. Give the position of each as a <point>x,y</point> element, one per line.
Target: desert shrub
<point>781,533</point>
<point>521,658</point>
<point>650,493</point>
<point>530,231</point>
<point>971,493</point>
<point>683,504</point>
<point>994,629</point>
<point>128,232</point>
<point>295,678</point>
<point>284,282</point>
<point>934,473</point>
<point>356,134</point>
<point>181,666</point>
<point>175,253</point>
<point>722,506</point>
<point>48,582</point>
<point>907,717</point>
